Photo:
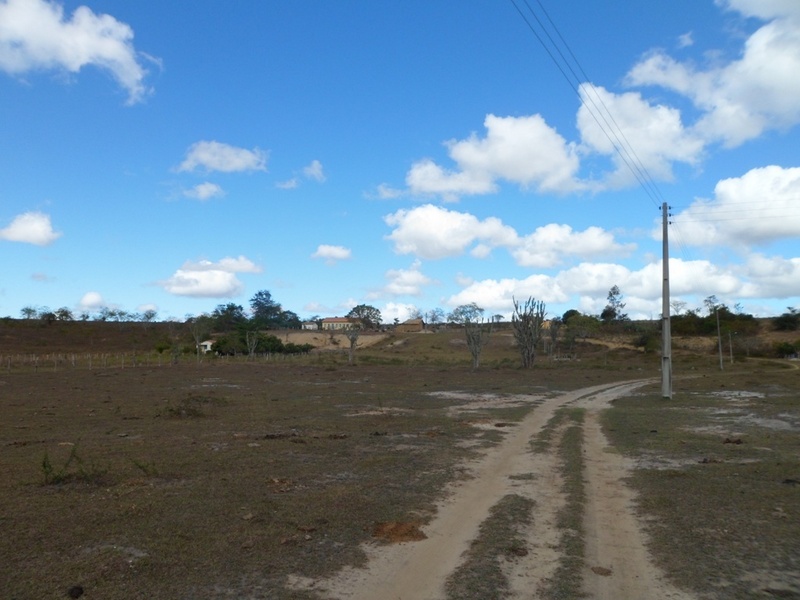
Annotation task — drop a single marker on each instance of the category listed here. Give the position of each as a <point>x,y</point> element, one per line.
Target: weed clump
<point>74,470</point>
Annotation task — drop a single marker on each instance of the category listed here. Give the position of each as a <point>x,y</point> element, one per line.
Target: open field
<point>310,479</point>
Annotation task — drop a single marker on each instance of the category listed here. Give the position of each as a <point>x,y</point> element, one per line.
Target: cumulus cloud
<point>206,279</point>
<point>548,245</point>
<point>216,156</point>
<point>91,301</point>
<point>522,150</point>
<point>764,9</point>
<point>331,254</point>
<point>204,191</point>
<point>432,232</point>
<point>30,228</point>
<point>35,35</point>
<point>650,137</point>
<point>641,288</point>
<point>757,208</point>
<point>773,277</point>
<point>742,98</point>
<point>496,295</point>
<point>396,310</point>
<point>406,282</point>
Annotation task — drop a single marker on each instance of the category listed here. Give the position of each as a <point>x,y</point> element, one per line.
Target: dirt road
<point>616,562</point>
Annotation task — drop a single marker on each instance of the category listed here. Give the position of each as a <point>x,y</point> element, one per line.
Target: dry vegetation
<point>230,478</point>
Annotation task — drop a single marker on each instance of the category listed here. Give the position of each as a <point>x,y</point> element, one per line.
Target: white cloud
<point>206,279</point>
<point>761,277</point>
<point>749,95</point>
<point>314,171</point>
<point>30,228</point>
<point>686,40</point>
<point>406,282</point>
<point>763,9</point>
<point>330,254</point>
<point>773,277</point>
<point>289,184</point>
<point>433,232</point>
<point>216,156</point>
<point>496,295</point>
<point>652,137</point>
<point>395,310</point>
<point>204,191</point>
<point>386,192</point>
<point>91,301</point>
<point>522,150</point>
<point>35,35</point>
<point>547,246</point>
<point>759,207</point>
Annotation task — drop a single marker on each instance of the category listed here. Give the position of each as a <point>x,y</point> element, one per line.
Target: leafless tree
<point>527,322</point>
<point>554,331</point>
<point>352,334</point>
<point>477,332</point>
<point>251,337</point>
<point>200,326</point>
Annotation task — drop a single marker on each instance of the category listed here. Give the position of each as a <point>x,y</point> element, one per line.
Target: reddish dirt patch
<point>395,532</point>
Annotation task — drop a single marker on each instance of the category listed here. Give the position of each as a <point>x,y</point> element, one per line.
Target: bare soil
<point>618,562</point>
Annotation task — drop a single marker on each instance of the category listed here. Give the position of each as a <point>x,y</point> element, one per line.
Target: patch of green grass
<point>72,470</point>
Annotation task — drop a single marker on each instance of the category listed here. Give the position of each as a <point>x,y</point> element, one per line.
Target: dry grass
<point>221,480</point>
<point>719,478</point>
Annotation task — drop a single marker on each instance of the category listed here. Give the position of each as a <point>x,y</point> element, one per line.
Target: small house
<point>410,326</point>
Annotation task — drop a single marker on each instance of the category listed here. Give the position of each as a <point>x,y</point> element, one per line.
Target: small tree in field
<point>613,310</point>
<point>527,323</point>
<point>477,333</point>
<point>352,335</point>
<point>200,326</point>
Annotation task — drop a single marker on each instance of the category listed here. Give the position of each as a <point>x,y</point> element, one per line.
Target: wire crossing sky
<point>173,157</point>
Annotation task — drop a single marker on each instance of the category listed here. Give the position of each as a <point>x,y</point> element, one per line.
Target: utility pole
<point>666,332</point>
<point>719,339</point>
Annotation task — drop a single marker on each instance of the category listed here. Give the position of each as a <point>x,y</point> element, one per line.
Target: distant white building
<point>310,325</point>
<point>205,347</point>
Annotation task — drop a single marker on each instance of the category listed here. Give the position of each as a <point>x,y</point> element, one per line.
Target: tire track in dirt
<point>419,570</point>
<point>617,562</point>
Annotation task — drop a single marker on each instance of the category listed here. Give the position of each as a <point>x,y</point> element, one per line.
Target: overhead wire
<point>593,102</point>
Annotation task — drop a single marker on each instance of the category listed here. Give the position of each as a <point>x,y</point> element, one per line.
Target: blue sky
<point>408,155</point>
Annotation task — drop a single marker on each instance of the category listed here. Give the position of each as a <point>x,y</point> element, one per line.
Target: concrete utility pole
<point>666,332</point>
<point>719,339</point>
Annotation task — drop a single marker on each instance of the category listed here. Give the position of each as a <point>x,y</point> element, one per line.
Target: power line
<point>591,99</point>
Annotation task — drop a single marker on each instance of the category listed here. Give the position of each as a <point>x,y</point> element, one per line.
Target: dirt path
<point>614,543</point>
<point>617,561</point>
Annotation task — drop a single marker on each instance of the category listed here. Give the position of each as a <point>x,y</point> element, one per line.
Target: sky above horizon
<point>172,157</point>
